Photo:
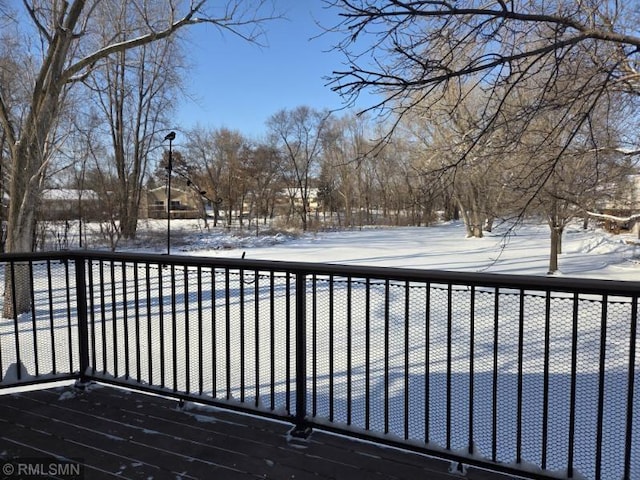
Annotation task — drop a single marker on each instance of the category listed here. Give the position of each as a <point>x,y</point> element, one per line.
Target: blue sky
<point>239,85</point>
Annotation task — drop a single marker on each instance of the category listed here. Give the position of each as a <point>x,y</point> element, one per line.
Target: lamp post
<point>170,136</point>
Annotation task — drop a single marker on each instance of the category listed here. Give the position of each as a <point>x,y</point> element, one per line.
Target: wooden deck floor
<point>123,434</point>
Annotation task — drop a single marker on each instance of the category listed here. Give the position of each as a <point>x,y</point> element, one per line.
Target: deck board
<point>125,434</point>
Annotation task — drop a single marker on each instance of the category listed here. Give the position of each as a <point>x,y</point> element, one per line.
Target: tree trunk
<point>28,158</point>
<point>19,239</point>
<point>303,215</point>
<point>29,155</point>
<point>478,220</point>
<point>467,222</point>
<point>559,234</point>
<point>488,225</point>
<point>129,226</point>
<point>556,234</point>
<point>203,212</point>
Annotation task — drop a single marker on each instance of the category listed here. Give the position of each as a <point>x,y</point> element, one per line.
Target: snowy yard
<point>588,253</point>
<point>419,361</point>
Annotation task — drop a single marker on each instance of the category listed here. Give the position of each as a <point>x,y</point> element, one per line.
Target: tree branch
<point>7,126</point>
<point>615,218</point>
<point>34,18</point>
<point>226,22</point>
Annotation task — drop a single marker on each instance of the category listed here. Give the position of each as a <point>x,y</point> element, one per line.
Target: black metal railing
<point>527,375</point>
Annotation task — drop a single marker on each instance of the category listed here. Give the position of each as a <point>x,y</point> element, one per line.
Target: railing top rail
<point>475,279</point>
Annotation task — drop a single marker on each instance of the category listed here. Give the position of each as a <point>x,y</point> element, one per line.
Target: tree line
<point>333,171</point>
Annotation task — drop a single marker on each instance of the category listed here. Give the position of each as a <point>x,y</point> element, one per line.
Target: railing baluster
<point>81,312</point>
<point>52,336</point>
<point>331,333</point>
<point>200,331</point>
<point>387,385</point>
<point>227,318</point>
<point>349,347</point>
<point>136,310</point>
<point>633,332</point>
<point>242,334</point>
<point>449,365</point>
<point>472,336</point>
<point>125,320</point>
<point>406,359</point>
<point>34,325</point>
<point>601,383</point>
<point>147,274</point>
<point>287,337</point>
<point>272,340</point>
<point>367,356</point>
<point>300,429</point>
<point>520,392</point>
<point>256,326</point>
<point>214,336</point>
<point>494,385</point>
<point>572,394</point>
<point>69,310</point>
<point>92,316</point>
<point>427,363</point>
<point>314,346</point>
<point>103,319</point>
<point>16,329</point>
<point>174,329</point>
<point>187,330</point>
<point>114,316</point>
<point>545,379</point>
<point>161,325</point>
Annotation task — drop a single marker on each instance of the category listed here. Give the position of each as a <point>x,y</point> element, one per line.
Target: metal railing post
<point>83,329</point>
<point>301,428</point>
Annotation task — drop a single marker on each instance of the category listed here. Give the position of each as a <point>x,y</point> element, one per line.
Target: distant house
<point>293,195</point>
<point>69,204</point>
<point>621,213</point>
<point>184,203</point>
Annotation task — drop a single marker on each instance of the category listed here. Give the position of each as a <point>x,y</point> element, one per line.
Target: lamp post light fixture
<point>171,137</point>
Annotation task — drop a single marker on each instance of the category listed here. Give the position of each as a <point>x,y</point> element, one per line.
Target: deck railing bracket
<point>458,468</point>
<point>83,384</point>
<point>300,432</point>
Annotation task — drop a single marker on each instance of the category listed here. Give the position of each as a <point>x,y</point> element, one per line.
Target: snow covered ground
<point>588,253</point>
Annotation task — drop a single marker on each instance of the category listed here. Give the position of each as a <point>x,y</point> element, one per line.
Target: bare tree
<point>231,153</point>
<point>207,163</point>
<point>133,89</point>
<point>449,155</point>
<point>263,169</point>
<point>299,134</point>
<point>343,162</point>
<point>69,51</point>
<point>584,175</point>
<point>233,171</point>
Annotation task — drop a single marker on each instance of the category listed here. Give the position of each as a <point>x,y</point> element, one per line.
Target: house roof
<point>68,194</point>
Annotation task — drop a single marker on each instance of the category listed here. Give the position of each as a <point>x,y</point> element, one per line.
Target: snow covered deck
<point>124,434</point>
